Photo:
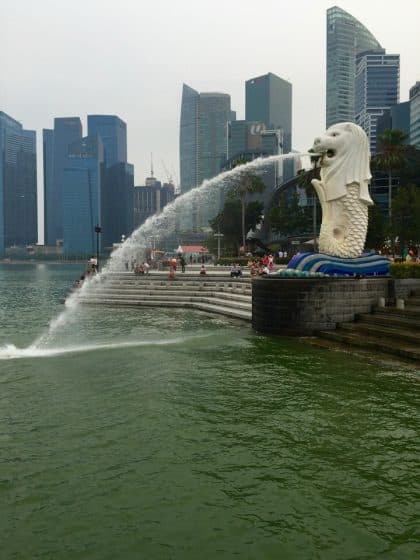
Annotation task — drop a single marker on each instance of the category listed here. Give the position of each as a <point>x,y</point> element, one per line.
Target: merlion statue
<point>343,189</point>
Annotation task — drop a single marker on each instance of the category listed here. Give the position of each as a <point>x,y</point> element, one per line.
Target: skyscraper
<point>56,144</point>
<point>415,115</point>
<point>117,203</point>
<point>377,88</point>
<point>203,148</point>
<point>18,186</point>
<point>83,177</point>
<point>346,38</point>
<point>113,133</point>
<point>268,99</point>
<point>204,117</point>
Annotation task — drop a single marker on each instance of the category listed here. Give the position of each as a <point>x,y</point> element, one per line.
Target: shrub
<point>405,270</point>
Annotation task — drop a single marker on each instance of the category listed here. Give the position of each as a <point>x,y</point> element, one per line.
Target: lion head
<point>345,156</point>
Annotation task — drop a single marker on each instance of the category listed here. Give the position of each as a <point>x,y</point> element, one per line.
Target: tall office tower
<point>204,117</point>
<point>113,133</point>
<point>83,178</point>
<point>396,117</point>
<point>415,115</point>
<point>146,201</point>
<point>18,186</point>
<point>56,144</point>
<point>203,148</point>
<point>377,88</point>
<point>346,38</point>
<point>268,99</point>
<point>117,203</point>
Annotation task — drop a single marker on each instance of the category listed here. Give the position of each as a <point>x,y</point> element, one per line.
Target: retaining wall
<point>302,306</point>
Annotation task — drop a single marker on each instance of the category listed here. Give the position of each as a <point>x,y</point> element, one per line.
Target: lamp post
<point>98,230</point>
<point>218,235</point>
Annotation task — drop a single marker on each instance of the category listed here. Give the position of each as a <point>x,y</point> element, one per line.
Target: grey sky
<point>130,58</point>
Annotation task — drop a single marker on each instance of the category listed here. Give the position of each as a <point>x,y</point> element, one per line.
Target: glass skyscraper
<point>415,115</point>
<point>346,38</point>
<point>56,144</point>
<point>268,99</point>
<point>83,176</point>
<point>203,148</point>
<point>377,89</point>
<point>18,184</point>
<point>113,133</point>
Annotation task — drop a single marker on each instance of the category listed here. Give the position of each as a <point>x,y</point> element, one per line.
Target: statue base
<point>368,264</point>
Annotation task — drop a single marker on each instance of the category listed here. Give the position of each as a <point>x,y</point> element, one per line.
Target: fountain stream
<point>157,226</point>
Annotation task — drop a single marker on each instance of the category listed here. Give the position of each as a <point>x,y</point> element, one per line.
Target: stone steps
<point>168,294</point>
<point>388,330</point>
<point>385,318</point>
<point>229,297</point>
<point>201,306</point>
<point>399,348</point>
<point>164,299</point>
<point>382,331</point>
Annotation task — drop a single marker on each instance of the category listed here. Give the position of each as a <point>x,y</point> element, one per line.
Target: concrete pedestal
<point>302,306</point>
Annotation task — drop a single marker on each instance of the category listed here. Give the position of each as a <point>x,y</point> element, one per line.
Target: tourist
<point>235,271</point>
<point>182,262</point>
<point>133,263</point>
<point>146,267</point>
<point>280,253</point>
<point>270,262</point>
<point>172,270</point>
<point>203,270</point>
<point>174,263</point>
<point>139,269</point>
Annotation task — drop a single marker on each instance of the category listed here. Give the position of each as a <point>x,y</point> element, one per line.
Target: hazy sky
<point>130,58</point>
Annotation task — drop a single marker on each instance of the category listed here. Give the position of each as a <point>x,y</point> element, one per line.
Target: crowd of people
<point>261,266</point>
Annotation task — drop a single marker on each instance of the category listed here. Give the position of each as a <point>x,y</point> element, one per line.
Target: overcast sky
<point>130,58</point>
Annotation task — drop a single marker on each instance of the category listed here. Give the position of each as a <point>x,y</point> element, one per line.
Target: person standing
<point>182,263</point>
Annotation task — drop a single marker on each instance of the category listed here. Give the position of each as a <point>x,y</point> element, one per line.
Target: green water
<point>153,434</point>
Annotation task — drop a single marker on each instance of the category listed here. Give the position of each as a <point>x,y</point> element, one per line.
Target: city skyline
<point>74,73</point>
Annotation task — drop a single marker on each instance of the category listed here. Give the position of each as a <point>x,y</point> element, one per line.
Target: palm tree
<point>391,154</point>
<point>248,183</point>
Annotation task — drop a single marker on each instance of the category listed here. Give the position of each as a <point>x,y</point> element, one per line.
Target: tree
<point>229,220</point>
<point>248,183</point>
<point>377,229</point>
<point>290,218</point>
<point>391,157</point>
<point>405,223</point>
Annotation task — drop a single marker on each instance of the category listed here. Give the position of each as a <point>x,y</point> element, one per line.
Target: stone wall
<point>302,306</point>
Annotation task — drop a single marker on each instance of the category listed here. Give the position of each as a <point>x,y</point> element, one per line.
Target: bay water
<point>171,434</point>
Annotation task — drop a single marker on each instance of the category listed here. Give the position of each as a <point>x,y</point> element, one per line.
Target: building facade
<point>346,38</point>
<point>377,89</point>
<point>150,199</point>
<point>117,203</point>
<point>203,150</point>
<point>268,99</point>
<point>415,115</point>
<point>56,142</point>
<point>83,179</point>
<point>113,133</point>
<point>395,118</point>
<point>18,184</point>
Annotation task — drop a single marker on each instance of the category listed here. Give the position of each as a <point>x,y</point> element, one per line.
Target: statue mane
<point>350,163</point>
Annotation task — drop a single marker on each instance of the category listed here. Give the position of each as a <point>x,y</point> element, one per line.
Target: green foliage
<point>289,218</point>
<point>392,149</point>
<point>377,228</point>
<point>229,222</point>
<point>405,270</point>
<point>405,222</point>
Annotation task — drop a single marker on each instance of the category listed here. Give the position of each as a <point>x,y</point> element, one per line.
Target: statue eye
<point>334,134</point>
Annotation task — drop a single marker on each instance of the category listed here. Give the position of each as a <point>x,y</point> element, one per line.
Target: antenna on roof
<point>151,164</point>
